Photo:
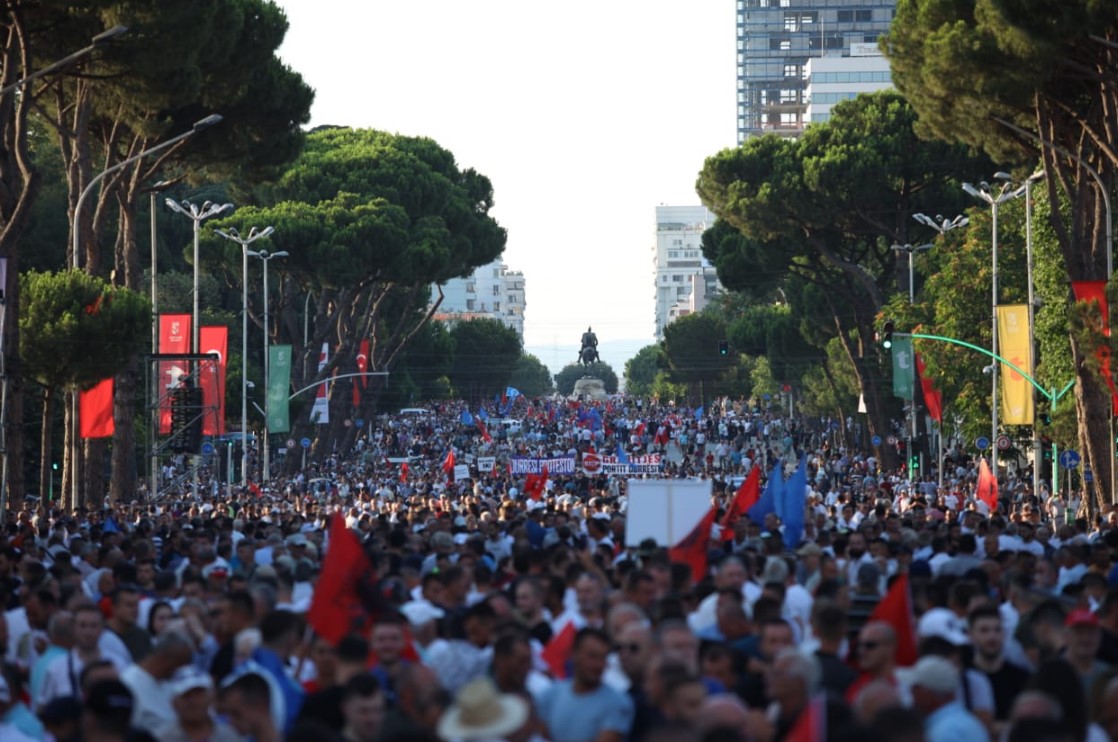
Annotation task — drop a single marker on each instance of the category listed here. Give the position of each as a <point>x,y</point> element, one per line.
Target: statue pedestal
<point>590,388</point>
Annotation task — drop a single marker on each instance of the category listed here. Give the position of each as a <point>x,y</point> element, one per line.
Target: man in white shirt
<point>64,673</point>
<point>149,680</point>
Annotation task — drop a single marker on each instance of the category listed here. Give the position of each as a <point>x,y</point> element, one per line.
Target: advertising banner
<point>279,382</point>
<point>214,339</point>
<point>904,370</point>
<point>636,465</point>
<point>174,337</point>
<point>1013,345</point>
<point>320,413</point>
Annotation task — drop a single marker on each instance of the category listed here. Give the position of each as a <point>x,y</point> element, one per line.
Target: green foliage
<point>664,390</point>
<point>363,205</point>
<point>641,370</point>
<point>531,377</point>
<point>485,355</point>
<point>566,378</point>
<point>77,329</point>
<point>691,348</point>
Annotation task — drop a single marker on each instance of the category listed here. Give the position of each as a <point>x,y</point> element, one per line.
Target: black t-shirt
<point>325,706</point>
<point>1007,683</point>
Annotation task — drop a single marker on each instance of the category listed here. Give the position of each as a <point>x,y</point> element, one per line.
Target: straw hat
<point>482,712</point>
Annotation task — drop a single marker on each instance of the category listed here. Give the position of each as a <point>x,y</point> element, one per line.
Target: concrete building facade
<point>685,280</point>
<point>491,291</point>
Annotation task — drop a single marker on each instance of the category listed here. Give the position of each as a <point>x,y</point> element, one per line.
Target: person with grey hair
<point>790,685</point>
<point>934,682</point>
<point>60,635</point>
<point>148,679</point>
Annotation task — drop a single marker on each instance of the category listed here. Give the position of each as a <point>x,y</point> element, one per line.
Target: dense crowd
<point>500,606</point>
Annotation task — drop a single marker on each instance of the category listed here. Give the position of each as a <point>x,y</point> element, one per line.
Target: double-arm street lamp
<point>995,197</point>
<point>244,241</point>
<point>266,257</point>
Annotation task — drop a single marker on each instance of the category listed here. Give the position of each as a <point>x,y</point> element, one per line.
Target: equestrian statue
<point>589,352</point>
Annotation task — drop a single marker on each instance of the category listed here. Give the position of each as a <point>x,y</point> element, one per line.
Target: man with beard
<point>987,635</point>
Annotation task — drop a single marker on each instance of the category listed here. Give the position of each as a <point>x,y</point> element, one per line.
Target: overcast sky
<point>585,116</point>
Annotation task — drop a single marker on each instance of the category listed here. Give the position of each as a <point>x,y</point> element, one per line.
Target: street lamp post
<point>198,126</point>
<point>97,42</point>
<point>911,250</point>
<point>266,257</point>
<point>244,242</point>
<point>941,225</point>
<point>196,215</point>
<point>153,190</point>
<point>995,198</point>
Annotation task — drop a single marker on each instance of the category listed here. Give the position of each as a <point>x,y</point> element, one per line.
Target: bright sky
<point>584,115</point>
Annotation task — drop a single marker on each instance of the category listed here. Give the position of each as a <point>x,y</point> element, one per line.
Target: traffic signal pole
<point>1052,395</point>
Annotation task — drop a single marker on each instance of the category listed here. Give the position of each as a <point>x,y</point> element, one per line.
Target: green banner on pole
<point>904,371</point>
<point>279,383</point>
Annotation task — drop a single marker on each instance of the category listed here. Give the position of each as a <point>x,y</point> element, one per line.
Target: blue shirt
<point>953,723</point>
<point>20,717</point>
<point>577,717</point>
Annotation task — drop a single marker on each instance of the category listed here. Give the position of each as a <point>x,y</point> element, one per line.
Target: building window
<point>496,306</point>
<point>469,305</point>
<point>677,242</point>
<point>496,291</point>
<point>791,70</point>
<point>789,95</point>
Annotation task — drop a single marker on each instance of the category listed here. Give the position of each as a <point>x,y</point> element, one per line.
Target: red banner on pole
<point>96,415</point>
<point>174,337</point>
<point>214,339</point>
<point>361,382</point>
<point>1096,291</point>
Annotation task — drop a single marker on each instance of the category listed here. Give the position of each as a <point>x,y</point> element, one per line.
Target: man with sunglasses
<point>877,649</point>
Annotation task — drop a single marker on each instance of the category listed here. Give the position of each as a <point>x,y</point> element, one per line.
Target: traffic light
<point>887,334</point>
<point>914,463</point>
<point>723,348</point>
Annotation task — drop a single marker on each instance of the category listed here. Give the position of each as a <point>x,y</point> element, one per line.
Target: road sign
<point>1088,475</point>
<point>982,443</point>
<point>876,440</point>
<point>305,443</point>
<point>359,422</point>
<point>1003,443</point>
<point>1069,459</point>
<point>591,463</point>
<point>207,449</point>
<point>348,423</point>
<point>291,443</point>
<point>766,396</point>
<point>891,440</point>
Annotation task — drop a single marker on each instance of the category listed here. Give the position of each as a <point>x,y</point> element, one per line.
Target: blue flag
<point>622,457</point>
<point>595,418</point>
<point>795,500</point>
<point>483,414</point>
<point>466,418</point>
<point>774,491</point>
<point>699,412</point>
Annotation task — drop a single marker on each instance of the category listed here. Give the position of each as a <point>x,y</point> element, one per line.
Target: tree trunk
<point>92,480</point>
<point>122,487</point>
<point>69,460</point>
<point>45,472</point>
<point>1092,407</point>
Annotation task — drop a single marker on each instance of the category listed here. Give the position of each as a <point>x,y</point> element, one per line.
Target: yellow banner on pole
<point>1014,336</point>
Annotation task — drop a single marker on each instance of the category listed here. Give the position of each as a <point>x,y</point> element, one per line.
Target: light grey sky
<point>585,116</point>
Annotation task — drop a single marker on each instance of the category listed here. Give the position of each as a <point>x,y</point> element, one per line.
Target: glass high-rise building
<point>775,40</point>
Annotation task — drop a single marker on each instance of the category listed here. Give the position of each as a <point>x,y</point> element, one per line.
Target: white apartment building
<point>685,280</point>
<point>832,79</point>
<point>491,291</point>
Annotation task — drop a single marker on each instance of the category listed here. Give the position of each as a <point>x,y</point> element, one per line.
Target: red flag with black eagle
<point>337,607</point>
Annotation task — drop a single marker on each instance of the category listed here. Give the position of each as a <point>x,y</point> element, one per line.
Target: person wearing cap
<point>1084,639</point>
<point>934,684</point>
<point>192,698</point>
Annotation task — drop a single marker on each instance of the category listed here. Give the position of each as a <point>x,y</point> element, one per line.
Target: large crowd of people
<point>502,600</point>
